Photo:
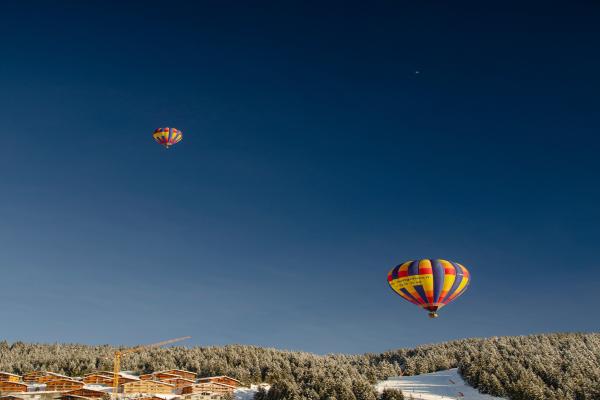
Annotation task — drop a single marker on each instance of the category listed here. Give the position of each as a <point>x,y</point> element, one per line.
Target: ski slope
<point>441,385</point>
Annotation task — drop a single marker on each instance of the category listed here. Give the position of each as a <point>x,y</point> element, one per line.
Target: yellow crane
<point>121,353</point>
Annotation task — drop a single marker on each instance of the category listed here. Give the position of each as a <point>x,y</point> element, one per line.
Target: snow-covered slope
<point>248,393</point>
<point>441,385</point>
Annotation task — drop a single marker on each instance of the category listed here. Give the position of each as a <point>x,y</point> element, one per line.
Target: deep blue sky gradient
<point>314,160</point>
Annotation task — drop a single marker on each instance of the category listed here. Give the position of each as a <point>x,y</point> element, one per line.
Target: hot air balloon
<point>167,136</point>
<point>429,284</point>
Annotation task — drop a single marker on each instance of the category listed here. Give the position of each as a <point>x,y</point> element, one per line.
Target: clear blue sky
<point>314,159</point>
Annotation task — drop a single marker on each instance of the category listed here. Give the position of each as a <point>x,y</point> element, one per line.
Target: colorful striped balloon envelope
<point>429,284</point>
<point>167,136</point>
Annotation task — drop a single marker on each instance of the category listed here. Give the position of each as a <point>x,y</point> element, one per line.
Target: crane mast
<point>120,353</point>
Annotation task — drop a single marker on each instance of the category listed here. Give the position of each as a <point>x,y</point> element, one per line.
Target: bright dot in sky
<point>417,72</point>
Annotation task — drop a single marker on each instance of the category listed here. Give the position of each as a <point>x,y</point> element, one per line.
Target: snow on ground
<point>245,393</point>
<point>441,385</point>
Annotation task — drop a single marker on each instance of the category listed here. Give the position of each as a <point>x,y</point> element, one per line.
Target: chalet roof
<point>43,372</point>
<point>219,376</point>
<point>163,373</point>
<point>48,373</point>
<point>110,374</point>
<point>65,379</point>
<point>149,380</point>
<point>97,388</point>
<point>69,396</point>
<point>178,370</point>
<point>8,373</point>
<point>128,376</point>
<point>181,378</point>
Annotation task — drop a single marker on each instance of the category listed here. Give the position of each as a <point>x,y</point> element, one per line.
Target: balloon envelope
<point>429,284</point>
<point>167,136</point>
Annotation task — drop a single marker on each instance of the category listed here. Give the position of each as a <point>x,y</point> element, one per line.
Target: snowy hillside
<point>441,385</point>
<point>248,393</point>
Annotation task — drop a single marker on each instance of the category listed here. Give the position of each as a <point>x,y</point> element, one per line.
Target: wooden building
<point>9,397</point>
<point>158,376</point>
<point>32,376</point>
<point>102,379</point>
<point>64,385</point>
<point>213,387</point>
<point>8,377</point>
<point>89,393</point>
<point>42,376</point>
<point>182,373</point>
<point>126,379</point>
<point>12,387</point>
<point>180,382</point>
<point>103,373</point>
<point>51,376</point>
<point>147,386</point>
<point>221,379</point>
<point>39,395</point>
<point>98,379</point>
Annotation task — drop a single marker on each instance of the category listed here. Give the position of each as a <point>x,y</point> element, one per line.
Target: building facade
<point>12,387</point>
<point>8,377</point>
<point>40,395</point>
<point>89,393</point>
<point>182,373</point>
<point>147,386</point>
<point>227,380</point>
<point>98,379</point>
<point>206,387</point>
<point>158,376</point>
<point>64,385</point>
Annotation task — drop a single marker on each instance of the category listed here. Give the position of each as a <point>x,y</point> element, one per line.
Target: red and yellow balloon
<point>429,284</point>
<point>167,136</point>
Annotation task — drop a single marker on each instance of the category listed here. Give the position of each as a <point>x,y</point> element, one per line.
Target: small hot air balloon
<point>429,284</point>
<point>167,136</point>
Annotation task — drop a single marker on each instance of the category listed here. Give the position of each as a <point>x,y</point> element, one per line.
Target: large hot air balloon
<point>429,284</point>
<point>167,136</point>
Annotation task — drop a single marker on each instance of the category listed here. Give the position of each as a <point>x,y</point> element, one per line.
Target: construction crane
<point>121,353</point>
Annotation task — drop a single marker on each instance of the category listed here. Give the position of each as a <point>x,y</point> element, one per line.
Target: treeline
<point>557,366</point>
<point>293,375</point>
<point>540,367</point>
